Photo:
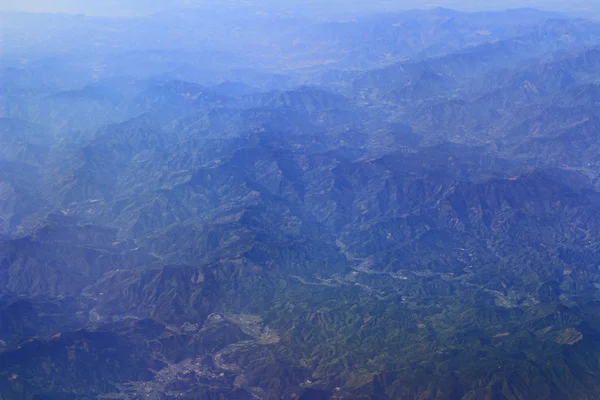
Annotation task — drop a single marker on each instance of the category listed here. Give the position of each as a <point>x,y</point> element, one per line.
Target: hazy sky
<point>141,7</point>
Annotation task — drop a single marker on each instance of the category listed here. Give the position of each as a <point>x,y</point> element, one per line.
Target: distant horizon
<point>138,8</point>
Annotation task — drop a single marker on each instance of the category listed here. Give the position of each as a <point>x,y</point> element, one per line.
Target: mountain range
<point>398,206</point>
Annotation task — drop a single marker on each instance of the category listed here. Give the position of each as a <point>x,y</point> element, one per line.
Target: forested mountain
<point>398,206</point>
